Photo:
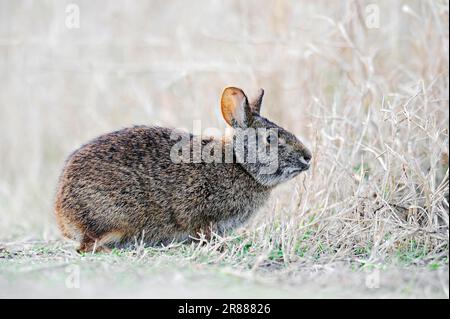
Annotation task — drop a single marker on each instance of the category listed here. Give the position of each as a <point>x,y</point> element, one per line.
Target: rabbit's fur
<point>124,185</point>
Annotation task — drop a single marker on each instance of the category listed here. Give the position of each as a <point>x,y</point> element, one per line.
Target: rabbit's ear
<point>235,108</point>
<point>256,104</point>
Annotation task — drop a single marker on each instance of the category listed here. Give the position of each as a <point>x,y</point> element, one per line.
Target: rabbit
<point>125,185</point>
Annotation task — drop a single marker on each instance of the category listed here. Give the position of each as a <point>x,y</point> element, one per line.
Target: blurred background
<point>71,70</point>
<point>363,83</point>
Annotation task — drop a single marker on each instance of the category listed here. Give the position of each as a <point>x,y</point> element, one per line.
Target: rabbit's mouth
<point>294,171</point>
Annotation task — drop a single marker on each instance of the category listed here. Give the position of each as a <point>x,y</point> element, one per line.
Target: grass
<point>371,103</point>
<point>52,269</point>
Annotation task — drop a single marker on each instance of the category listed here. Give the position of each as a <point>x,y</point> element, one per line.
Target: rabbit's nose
<point>305,160</point>
<point>306,157</point>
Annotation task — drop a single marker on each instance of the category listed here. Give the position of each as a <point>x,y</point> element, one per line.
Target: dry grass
<point>371,103</point>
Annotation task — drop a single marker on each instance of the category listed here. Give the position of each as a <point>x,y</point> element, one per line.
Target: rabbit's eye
<point>271,139</point>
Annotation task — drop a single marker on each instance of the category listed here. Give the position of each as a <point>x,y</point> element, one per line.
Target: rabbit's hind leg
<point>100,244</point>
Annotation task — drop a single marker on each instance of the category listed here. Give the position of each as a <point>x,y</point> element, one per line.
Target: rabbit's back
<point>124,185</point>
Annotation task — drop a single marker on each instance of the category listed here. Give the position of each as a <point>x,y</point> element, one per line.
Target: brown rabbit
<point>126,184</point>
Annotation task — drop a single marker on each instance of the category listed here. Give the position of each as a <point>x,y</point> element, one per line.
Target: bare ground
<point>53,269</point>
